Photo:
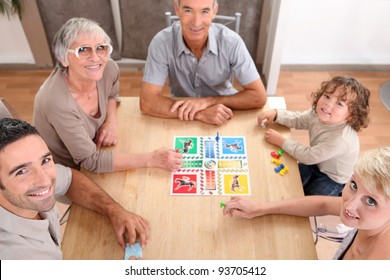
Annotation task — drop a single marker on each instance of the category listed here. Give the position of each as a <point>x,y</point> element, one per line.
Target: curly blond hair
<point>373,169</point>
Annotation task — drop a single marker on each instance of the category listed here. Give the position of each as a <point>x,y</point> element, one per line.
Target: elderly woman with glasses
<point>75,109</point>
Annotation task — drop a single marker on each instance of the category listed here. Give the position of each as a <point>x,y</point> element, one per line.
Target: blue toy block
<point>280,167</point>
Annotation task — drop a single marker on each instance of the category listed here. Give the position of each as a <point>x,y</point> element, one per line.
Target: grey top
<point>334,148</point>
<point>347,242</point>
<point>26,239</point>
<point>67,130</point>
<point>224,55</point>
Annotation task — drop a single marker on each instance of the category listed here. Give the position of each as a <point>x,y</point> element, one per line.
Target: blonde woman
<point>364,206</point>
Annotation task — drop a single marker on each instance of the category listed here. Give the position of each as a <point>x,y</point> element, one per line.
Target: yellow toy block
<point>276,161</point>
<point>283,171</point>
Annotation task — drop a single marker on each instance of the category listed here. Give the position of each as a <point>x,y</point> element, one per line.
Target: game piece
<point>263,122</point>
<point>276,161</point>
<point>223,204</point>
<point>283,171</point>
<point>211,167</point>
<point>133,251</point>
<point>280,167</point>
<point>275,155</point>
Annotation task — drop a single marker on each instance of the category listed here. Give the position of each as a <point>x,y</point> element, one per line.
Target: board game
<point>212,165</point>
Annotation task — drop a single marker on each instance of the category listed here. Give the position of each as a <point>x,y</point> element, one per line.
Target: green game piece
<point>223,204</point>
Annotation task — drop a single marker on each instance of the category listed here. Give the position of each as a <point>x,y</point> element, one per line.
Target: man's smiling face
<point>27,177</point>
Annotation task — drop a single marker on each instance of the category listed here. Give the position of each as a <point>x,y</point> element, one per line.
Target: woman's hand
<point>166,158</point>
<point>242,207</point>
<point>107,135</point>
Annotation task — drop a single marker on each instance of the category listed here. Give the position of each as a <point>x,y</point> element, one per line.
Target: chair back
<point>6,111</point>
<point>227,20</point>
<point>329,228</point>
<point>384,93</point>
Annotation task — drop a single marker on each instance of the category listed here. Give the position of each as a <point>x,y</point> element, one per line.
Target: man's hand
<point>129,227</point>
<point>166,158</point>
<point>187,108</point>
<point>218,114</point>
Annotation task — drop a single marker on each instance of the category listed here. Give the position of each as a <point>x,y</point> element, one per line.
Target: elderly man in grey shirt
<point>200,58</point>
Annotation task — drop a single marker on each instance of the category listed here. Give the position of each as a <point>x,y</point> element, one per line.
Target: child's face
<point>331,109</point>
<point>363,209</point>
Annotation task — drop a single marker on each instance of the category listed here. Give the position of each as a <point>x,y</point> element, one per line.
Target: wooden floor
<point>20,87</point>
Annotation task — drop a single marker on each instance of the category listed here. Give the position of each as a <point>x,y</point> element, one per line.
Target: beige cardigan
<point>67,130</point>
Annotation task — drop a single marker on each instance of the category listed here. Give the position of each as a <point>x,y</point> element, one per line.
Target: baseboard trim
<point>336,67</point>
<point>124,64</point>
<point>139,65</point>
<point>23,66</point>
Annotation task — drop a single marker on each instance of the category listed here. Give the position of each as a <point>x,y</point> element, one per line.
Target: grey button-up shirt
<point>225,55</point>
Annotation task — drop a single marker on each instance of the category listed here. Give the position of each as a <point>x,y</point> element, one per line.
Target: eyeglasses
<point>86,51</point>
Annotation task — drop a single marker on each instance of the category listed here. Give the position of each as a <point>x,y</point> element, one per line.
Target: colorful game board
<point>211,165</point>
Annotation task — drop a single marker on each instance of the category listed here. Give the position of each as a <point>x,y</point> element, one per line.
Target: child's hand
<point>266,118</point>
<point>274,137</point>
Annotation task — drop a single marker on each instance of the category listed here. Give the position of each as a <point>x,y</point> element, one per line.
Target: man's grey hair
<point>178,3</point>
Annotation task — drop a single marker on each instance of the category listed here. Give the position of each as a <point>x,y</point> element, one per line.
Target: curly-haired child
<point>339,111</point>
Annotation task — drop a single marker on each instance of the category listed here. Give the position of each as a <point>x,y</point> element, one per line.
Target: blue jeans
<point>317,183</point>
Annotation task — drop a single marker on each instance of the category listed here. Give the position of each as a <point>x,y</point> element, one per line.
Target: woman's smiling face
<point>90,68</point>
<point>362,209</point>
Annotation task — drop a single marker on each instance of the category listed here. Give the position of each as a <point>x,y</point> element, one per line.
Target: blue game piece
<point>217,137</point>
<point>280,167</point>
<point>135,250</point>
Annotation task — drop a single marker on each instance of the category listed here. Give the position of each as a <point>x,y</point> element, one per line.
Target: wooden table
<point>192,227</point>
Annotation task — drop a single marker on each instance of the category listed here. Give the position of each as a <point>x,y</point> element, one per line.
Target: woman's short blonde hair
<point>373,168</point>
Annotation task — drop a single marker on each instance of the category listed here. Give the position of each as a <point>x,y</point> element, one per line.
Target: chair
<point>229,20</point>
<point>384,93</point>
<point>6,110</point>
<point>65,216</point>
<point>329,228</point>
